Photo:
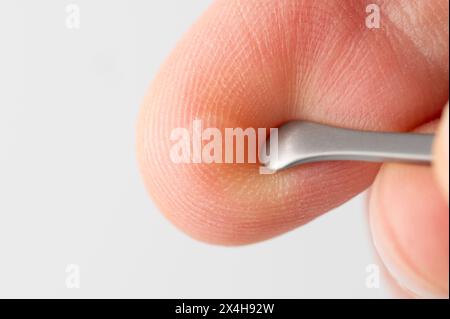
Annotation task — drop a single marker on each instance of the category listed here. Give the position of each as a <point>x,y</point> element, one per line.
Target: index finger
<point>261,63</point>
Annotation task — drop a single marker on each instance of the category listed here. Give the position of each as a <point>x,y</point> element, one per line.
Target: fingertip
<point>259,64</point>
<point>410,229</point>
<point>441,154</point>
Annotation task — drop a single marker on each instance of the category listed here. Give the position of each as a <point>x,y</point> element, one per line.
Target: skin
<point>260,63</point>
<point>441,154</point>
<point>408,213</point>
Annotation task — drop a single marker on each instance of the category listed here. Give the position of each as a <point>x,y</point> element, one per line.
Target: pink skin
<point>441,154</point>
<point>258,63</point>
<point>409,223</point>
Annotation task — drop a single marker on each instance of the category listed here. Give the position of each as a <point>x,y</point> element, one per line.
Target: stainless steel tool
<point>306,142</point>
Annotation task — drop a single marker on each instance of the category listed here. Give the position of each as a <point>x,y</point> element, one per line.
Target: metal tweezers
<point>306,142</point>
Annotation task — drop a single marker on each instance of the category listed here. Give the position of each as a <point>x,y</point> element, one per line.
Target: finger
<point>441,154</point>
<point>409,223</point>
<point>261,63</point>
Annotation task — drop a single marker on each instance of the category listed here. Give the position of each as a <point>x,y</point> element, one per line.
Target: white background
<point>70,191</point>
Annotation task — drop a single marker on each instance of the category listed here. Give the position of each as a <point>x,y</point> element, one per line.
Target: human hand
<point>409,221</point>
<point>261,63</point>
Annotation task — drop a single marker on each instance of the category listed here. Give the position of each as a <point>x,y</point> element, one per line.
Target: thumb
<point>440,154</point>
<point>409,224</point>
